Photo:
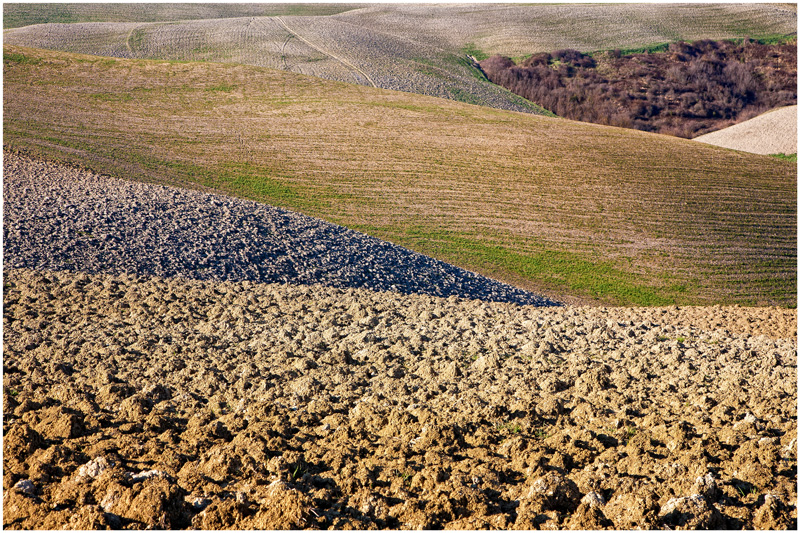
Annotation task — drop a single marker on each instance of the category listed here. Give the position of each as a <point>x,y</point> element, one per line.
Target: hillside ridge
<point>554,206</point>
<point>409,47</point>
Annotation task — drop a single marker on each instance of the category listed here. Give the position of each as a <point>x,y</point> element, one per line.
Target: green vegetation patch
<point>596,279</point>
<point>652,48</point>
<point>136,38</point>
<point>776,38</point>
<point>471,50</point>
<point>222,88</point>
<point>464,96</point>
<point>251,181</point>
<point>786,157</point>
<point>112,97</point>
<point>20,59</point>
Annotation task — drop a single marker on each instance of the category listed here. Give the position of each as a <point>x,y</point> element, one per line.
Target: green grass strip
<point>601,280</point>
<point>786,157</point>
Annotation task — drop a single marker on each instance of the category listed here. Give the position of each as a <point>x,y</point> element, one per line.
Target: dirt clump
<point>139,402</point>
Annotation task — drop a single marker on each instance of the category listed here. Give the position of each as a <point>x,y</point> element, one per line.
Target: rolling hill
<point>516,29</point>
<point>508,29</point>
<point>559,207</point>
<point>317,46</point>
<point>417,48</point>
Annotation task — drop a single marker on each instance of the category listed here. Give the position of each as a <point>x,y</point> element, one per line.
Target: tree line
<point>686,91</point>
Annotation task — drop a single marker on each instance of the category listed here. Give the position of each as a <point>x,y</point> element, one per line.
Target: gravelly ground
<point>60,218</point>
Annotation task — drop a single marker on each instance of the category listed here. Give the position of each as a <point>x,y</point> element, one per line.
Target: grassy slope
<point>573,209</point>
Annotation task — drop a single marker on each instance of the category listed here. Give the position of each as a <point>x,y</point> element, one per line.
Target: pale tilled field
<point>774,132</point>
<point>516,30</point>
<point>506,29</point>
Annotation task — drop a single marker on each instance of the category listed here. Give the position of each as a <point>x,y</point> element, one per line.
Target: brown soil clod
<point>348,410</point>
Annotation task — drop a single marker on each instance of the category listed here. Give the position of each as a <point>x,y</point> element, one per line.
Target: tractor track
<point>326,52</point>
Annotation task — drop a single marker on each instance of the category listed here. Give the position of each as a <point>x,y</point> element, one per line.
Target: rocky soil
<point>144,402</point>
<point>61,218</point>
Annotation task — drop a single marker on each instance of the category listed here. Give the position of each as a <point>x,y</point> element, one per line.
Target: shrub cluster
<point>686,91</point>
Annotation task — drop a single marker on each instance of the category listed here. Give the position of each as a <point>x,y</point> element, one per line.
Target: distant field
<point>509,29</point>
<point>515,30</point>
<point>16,15</point>
<point>317,46</point>
<point>410,47</point>
<point>570,209</point>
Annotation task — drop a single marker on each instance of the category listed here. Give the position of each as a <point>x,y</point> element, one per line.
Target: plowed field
<point>134,402</point>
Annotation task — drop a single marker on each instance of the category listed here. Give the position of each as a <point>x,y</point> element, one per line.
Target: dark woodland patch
<point>686,91</point>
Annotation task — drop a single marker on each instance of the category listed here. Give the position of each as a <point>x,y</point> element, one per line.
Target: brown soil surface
<point>774,132</point>
<point>149,403</point>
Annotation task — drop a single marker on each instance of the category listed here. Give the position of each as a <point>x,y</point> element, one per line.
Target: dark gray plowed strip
<point>59,218</point>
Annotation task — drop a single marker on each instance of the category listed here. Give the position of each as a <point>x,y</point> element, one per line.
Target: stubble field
<point>568,209</point>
